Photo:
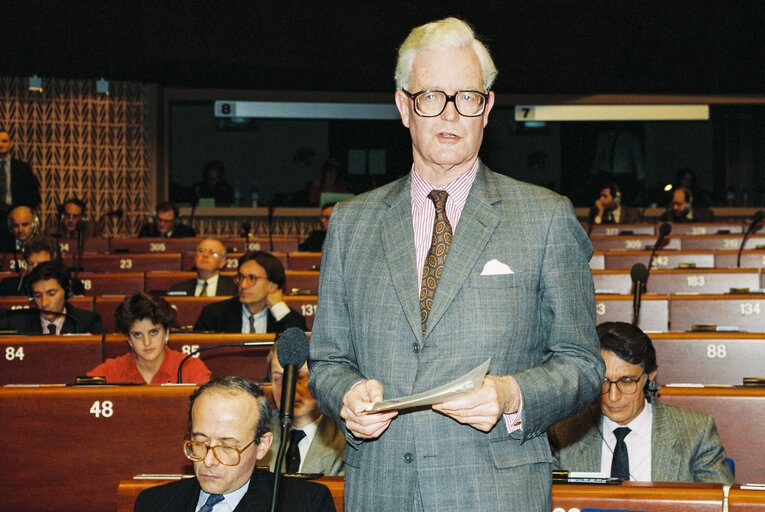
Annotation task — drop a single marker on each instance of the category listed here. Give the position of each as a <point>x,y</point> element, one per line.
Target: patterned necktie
<point>212,500</point>
<point>439,250</point>
<point>251,318</point>
<point>293,453</point>
<point>203,293</point>
<point>620,465</point>
<point>51,328</point>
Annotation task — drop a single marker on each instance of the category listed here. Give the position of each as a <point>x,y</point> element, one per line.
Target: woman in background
<point>146,321</point>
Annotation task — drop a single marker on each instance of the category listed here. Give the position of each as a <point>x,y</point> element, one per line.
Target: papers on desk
<point>469,382</point>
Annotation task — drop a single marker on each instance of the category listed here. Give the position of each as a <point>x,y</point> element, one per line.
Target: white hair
<point>438,35</point>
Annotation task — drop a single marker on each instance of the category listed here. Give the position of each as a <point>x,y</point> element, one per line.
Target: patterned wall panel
<point>81,143</point>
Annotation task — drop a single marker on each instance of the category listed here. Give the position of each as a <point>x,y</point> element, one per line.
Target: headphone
<point>615,193</point>
<point>651,386</point>
<point>35,219</point>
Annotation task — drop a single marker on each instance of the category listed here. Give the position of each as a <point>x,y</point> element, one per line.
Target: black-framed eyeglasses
<point>227,455</point>
<point>625,385</point>
<point>431,103</point>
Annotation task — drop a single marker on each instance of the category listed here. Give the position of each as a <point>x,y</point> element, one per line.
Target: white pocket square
<point>496,268</point>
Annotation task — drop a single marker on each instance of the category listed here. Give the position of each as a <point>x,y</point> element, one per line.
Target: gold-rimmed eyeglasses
<point>248,279</point>
<point>431,103</point>
<point>227,455</point>
<point>625,385</point>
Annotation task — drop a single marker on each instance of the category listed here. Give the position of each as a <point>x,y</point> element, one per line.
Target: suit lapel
<point>477,223</point>
<point>234,315</point>
<point>398,248</point>
<point>665,459</point>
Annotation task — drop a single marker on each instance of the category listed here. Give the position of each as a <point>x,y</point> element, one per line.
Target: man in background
<point>210,259</point>
<point>259,306</point>
<point>628,433</point>
<point>71,212</point>
<point>23,224</point>
<point>315,240</point>
<point>317,444</point>
<point>18,187</point>
<point>39,249</point>
<point>682,209</point>
<point>608,208</point>
<point>166,224</point>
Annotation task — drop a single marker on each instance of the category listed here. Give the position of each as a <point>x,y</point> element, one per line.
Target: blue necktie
<point>620,465</point>
<point>212,500</point>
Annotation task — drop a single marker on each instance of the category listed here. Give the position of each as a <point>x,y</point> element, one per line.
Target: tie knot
<point>621,432</point>
<point>296,435</point>
<point>439,199</point>
<point>212,500</point>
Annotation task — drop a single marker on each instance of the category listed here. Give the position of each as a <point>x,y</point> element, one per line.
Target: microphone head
<point>118,212</point>
<point>80,226</point>
<point>639,272</point>
<point>292,347</point>
<point>664,229</point>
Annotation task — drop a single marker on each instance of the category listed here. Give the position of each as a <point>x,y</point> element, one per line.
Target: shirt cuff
<point>280,310</point>
<point>513,420</point>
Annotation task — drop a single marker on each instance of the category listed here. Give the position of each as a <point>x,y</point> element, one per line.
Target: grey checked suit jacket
<point>325,455</point>
<point>536,323</point>
<point>685,446</point>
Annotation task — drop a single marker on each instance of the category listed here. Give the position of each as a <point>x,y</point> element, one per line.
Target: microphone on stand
<point>80,227</point>
<point>271,226</point>
<point>639,275</point>
<point>114,213</point>
<point>292,352</point>
<point>758,216</point>
<point>664,230</point>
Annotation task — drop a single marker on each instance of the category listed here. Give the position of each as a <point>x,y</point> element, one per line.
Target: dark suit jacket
<point>685,446</point>
<point>25,189</point>
<point>700,214</point>
<point>628,215</point>
<point>226,316</point>
<point>149,230</point>
<point>294,494</point>
<point>314,242</point>
<point>226,287</point>
<point>27,321</point>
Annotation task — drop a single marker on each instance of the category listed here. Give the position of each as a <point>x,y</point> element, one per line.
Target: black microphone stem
<point>203,349</point>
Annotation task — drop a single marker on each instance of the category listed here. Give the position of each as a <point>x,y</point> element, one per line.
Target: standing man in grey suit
<point>515,286</point>
<point>662,443</point>
<point>209,261</point>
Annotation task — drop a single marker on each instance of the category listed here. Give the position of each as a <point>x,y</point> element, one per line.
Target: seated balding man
<point>629,434</point>
<point>209,261</point>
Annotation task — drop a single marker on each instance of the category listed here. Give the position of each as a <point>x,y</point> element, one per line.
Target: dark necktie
<point>293,453</point>
<point>3,181</point>
<point>203,293</point>
<point>439,250</point>
<point>620,465</point>
<point>251,318</point>
<point>51,328</point>
<point>212,500</point>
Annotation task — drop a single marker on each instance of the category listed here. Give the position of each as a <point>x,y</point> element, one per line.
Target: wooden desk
<point>305,305</point>
<point>612,281</point>
<point>740,417</point>
<point>68,246</point>
<point>654,310</point>
<point>281,244</point>
<point>48,359</point>
<point>131,262</point>
<point>248,362</point>
<point>721,242</point>
<point>112,283</point>
<point>749,258</point>
<point>744,311</point>
<point>21,302</point>
<point>622,229</point>
<point>706,280</point>
<point>71,446</point>
<point>161,281</point>
<point>598,260</point>
<point>709,358</point>
<point>130,488</point>
<point>633,243</point>
<point>662,259</point>
<point>307,280</point>
<point>745,500</point>
<point>304,261</point>
<point>706,228</point>
<point>153,245</point>
<point>653,496</point>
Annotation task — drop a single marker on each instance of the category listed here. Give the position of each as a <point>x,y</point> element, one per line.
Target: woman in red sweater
<point>146,321</point>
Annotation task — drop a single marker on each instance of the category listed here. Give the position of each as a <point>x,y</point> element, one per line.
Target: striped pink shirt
<point>424,212</point>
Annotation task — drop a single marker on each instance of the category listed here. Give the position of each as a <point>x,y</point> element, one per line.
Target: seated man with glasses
<point>209,261</point>
<point>259,306</point>
<point>627,433</point>
<point>229,421</point>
